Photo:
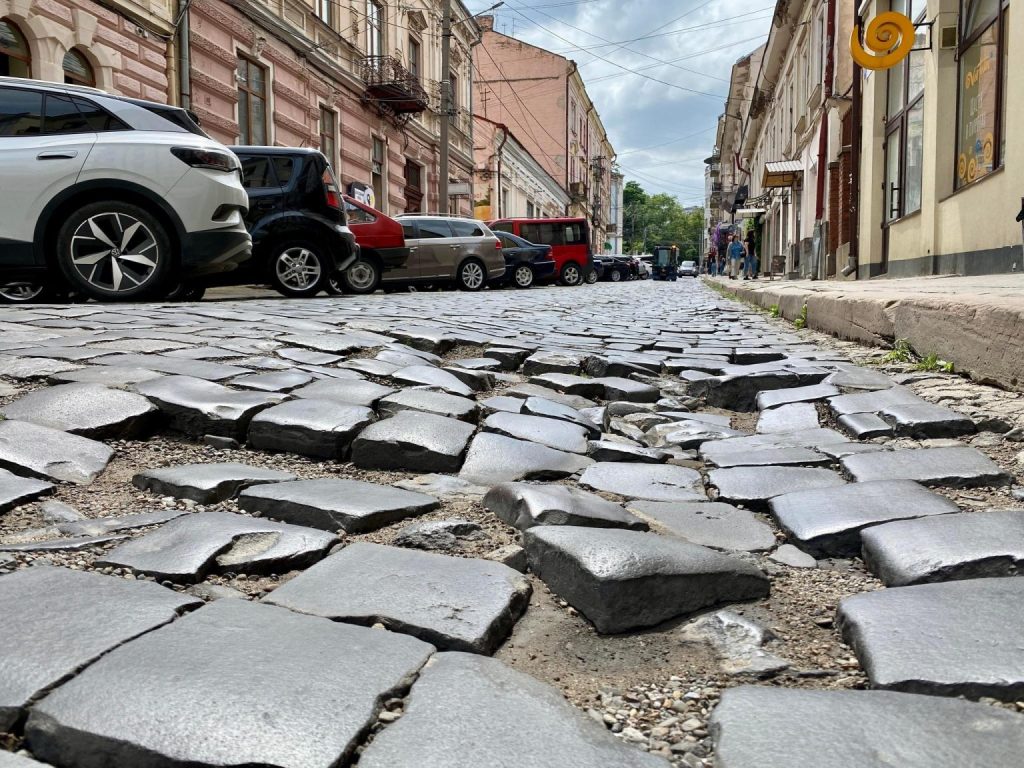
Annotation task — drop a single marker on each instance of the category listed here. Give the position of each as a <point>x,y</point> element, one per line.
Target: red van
<point>381,247</point>
<point>569,239</point>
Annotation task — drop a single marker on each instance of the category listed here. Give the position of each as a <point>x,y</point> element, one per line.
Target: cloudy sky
<point>662,131</point>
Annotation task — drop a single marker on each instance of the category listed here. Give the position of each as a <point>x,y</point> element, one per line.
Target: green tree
<point>660,219</point>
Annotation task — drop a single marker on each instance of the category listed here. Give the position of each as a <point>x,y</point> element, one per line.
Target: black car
<point>300,235</point>
<point>526,263</point>
<point>618,268</point>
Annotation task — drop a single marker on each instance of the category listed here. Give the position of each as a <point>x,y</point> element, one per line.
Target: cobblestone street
<point>617,525</point>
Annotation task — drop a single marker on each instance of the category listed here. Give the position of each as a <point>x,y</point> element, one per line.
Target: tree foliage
<point>659,219</point>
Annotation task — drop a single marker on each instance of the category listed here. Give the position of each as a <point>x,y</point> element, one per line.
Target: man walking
<point>736,252</point>
<point>752,265</point>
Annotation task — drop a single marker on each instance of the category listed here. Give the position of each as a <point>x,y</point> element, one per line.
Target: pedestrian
<point>752,264</point>
<point>712,262</point>
<point>736,253</point>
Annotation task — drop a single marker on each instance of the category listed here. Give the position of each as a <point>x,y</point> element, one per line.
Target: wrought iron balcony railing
<point>392,85</point>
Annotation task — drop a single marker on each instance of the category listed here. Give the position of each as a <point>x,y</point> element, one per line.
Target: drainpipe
<point>184,57</point>
<point>504,139</point>
<point>170,56</point>
<point>856,115</point>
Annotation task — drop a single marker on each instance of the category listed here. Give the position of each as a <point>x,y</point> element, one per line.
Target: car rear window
<point>257,172</point>
<point>21,112</point>
<point>357,215</point>
<point>284,167</point>
<point>466,228</point>
<point>96,118</point>
<point>434,228</point>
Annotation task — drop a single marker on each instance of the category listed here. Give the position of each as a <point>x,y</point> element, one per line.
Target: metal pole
<point>446,102</point>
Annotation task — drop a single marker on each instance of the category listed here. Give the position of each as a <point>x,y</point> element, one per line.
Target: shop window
<point>252,102</point>
<point>328,134</point>
<point>981,88</point>
<point>15,59</point>
<point>78,70</point>
<point>904,144</point>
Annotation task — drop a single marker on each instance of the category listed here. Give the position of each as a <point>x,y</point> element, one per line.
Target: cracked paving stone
<point>524,505</point>
<point>738,642</point>
<point>533,390</point>
<point>345,391</point>
<point>710,524</point>
<point>494,458</point>
<point>349,505</point>
<point>51,454</point>
<point>813,393</point>
<point>99,526</point>
<point>866,426</point>
<point>873,402</point>
<point>612,451</point>
<point>16,490</point>
<point>275,381</point>
<point>828,522</point>
<point>627,390</point>
<point>772,727</point>
<point>966,545</point>
<point>233,683</point>
<point>428,375</point>
<point>956,638</point>
<point>538,406</point>
<point>439,535</point>
<point>624,580</point>
<point>58,620</point>
<point>789,555</point>
<point>89,410</point>
<point>116,377</point>
<point>739,391</point>
<point>956,467</point>
<point>189,548</point>
<point>756,486</point>
<point>27,369</point>
<point>569,384</point>
<point>655,482</point>
<point>175,366</point>
<point>415,441</point>
<point>206,483</point>
<point>453,603</point>
<point>817,439</point>
<point>550,362</point>
<point>428,401</point>
<point>467,710</point>
<point>321,429</point>
<point>554,433</point>
<point>688,433</point>
<point>768,457</point>
<point>198,407</point>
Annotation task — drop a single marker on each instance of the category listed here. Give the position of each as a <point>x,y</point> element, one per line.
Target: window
<point>257,172</point>
<point>430,228</point>
<point>97,119</point>
<point>377,173</point>
<point>328,132</point>
<point>904,138</point>
<point>454,86</point>
<point>77,69</point>
<point>325,11</point>
<point>413,187</point>
<point>981,89</point>
<point>252,102</point>
<point>531,212</point>
<point>15,59</point>
<point>357,215</point>
<point>570,233</point>
<point>62,116</point>
<point>374,29</point>
<point>21,112</point>
<point>466,228</point>
<point>504,203</point>
<point>283,169</point>
<point>415,57</point>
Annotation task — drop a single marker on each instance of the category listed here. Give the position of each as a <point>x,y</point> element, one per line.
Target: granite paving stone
<point>469,710</point>
<point>58,620</point>
<point>412,440</point>
<point>198,407</point>
<point>440,535</point>
<point>538,406</point>
<point>808,438</point>
<point>828,522</point>
<point>624,580</point>
<point>174,366</point>
<point>494,458</point>
<point>739,391</point>
<point>788,418</point>
<point>618,388</point>
<point>430,376</point>
<point>569,384</point>
<point>710,524</point>
<point>967,545</point>
<point>98,526</point>
<point>689,433</point>
<point>768,457</point>
<point>550,362</point>
<point>655,482</point>
<point>509,357</point>
<point>346,391</point>
<point>73,544</point>
<point>89,410</point>
<point>114,376</point>
<point>318,428</point>
<point>16,490</point>
<point>613,450</point>
<point>755,486</point>
<point>925,420</point>
<point>428,401</point>
<point>554,433</point>
<point>49,454</point>
<point>813,393</point>
<point>454,603</point>
<point>873,402</point>
<point>275,381</point>
<point>533,390</point>
<point>773,727</point>
<point>234,683</point>
<point>190,547</point>
<point>955,638</point>
<point>851,377</point>
<point>206,483</point>
<point>524,505</point>
<point>333,504</point>
<point>957,467</point>
<point>866,426</point>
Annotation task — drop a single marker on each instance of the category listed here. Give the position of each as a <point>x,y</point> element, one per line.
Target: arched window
<point>77,69</point>
<point>15,59</point>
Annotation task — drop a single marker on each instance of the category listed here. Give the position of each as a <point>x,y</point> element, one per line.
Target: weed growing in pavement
<point>774,311</point>
<point>931,363</point>
<point>900,353</point>
<point>801,320</point>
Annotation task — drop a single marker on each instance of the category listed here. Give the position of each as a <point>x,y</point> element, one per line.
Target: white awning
<point>749,213</point>
<point>782,173</point>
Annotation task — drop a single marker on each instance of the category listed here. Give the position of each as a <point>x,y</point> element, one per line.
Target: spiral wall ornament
<point>889,38</point>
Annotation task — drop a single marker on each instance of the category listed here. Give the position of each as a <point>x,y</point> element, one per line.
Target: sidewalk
<point>977,323</point>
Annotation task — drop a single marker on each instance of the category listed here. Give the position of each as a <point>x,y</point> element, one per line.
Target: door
<point>412,269</point>
<point>437,249</point>
<point>892,190</point>
<point>40,158</point>
<point>469,241</point>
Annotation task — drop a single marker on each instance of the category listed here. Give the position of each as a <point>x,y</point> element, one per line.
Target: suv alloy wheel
<point>523,276</point>
<point>114,250</point>
<point>298,269</point>
<point>591,277</point>
<point>20,293</point>
<point>471,276</point>
<point>571,274</point>
<point>361,277</point>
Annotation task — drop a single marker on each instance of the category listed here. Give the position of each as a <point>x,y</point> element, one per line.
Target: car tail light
<point>497,243</point>
<point>332,195</point>
<point>209,159</point>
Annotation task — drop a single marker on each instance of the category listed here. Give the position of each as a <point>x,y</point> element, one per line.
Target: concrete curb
<point>983,339</point>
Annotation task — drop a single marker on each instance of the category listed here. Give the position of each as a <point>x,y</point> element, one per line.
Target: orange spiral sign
<point>889,38</point>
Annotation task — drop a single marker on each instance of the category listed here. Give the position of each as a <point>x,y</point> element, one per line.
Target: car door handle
<point>265,205</point>
<point>63,154</point>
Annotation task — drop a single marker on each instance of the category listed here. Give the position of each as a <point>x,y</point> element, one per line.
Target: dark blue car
<point>526,263</point>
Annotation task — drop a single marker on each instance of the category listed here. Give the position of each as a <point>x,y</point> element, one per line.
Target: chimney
<point>486,23</point>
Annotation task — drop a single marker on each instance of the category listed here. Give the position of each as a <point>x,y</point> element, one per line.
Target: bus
<point>569,239</point>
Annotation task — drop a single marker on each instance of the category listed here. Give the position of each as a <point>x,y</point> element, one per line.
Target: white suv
<point>117,198</point>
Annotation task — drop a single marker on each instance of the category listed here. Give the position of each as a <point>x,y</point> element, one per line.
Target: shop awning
<point>749,213</point>
<point>782,173</point>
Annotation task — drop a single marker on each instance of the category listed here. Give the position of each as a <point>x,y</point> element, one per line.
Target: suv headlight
<point>209,159</point>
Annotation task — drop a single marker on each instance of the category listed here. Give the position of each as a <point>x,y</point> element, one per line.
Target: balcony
<point>394,88</point>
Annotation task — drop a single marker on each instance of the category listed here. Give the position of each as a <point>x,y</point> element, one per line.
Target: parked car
<point>619,268</point>
<point>382,248</point>
<point>689,269</point>
<point>569,239</point>
<point>644,267</point>
<point>117,198</point>
<point>526,263</point>
<point>300,236</point>
<point>448,249</point>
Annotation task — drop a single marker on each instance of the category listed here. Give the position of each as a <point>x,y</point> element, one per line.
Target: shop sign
<point>362,192</point>
<point>888,38</point>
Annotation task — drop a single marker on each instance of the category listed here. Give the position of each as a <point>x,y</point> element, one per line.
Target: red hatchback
<point>569,239</point>
<point>381,247</point>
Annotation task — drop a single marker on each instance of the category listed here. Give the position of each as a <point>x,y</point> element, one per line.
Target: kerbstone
<point>957,638</point>
<point>958,467</point>
<point>454,603</point>
<point>523,505</point>
<point>827,522</point>
<point>319,428</point>
<point>956,546</point>
<point>773,727</point>
<point>494,458</point>
<point>623,580</point>
<point>349,505</point>
<point>710,524</point>
<point>188,548</point>
<point>199,407</point>
<point>15,490</point>
<point>467,710</point>
<point>57,620</point>
<point>234,683</point>
<point>51,454</point>
<point>414,441</point>
<point>206,483</point>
